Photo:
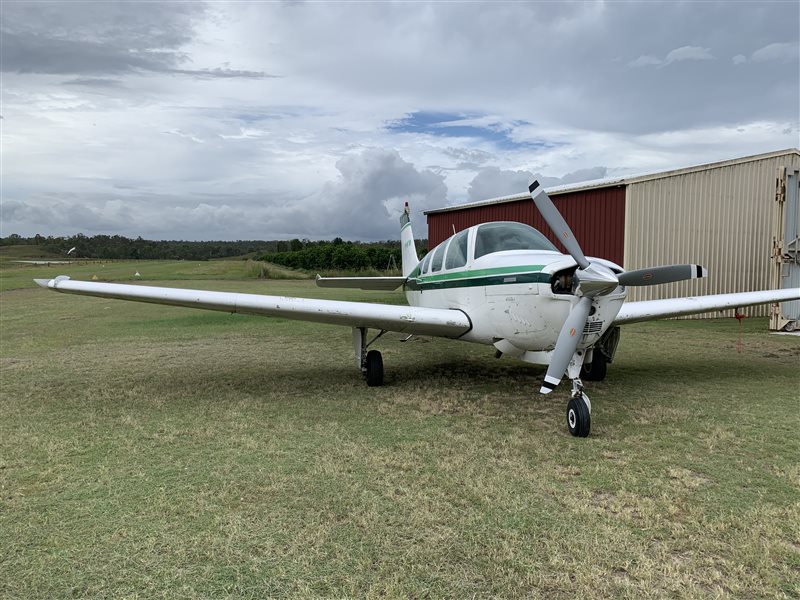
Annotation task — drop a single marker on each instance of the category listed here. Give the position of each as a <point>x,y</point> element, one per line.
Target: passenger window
<point>425,262</point>
<point>457,251</point>
<point>438,258</point>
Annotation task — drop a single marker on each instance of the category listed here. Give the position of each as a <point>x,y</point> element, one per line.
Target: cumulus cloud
<point>645,60</point>
<point>363,202</point>
<point>782,52</point>
<point>779,52</point>
<point>492,182</point>
<point>111,216</point>
<point>688,53</point>
<point>367,199</point>
<point>673,56</point>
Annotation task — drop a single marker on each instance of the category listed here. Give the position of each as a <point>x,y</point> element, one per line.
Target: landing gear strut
<point>579,411</point>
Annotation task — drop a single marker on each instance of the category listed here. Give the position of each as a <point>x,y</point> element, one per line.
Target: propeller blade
<point>657,275</point>
<point>566,344</point>
<point>557,223</point>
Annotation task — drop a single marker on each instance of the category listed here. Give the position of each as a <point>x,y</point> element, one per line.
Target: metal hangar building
<point>739,218</point>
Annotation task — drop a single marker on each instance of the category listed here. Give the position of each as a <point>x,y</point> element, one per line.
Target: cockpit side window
<point>497,237</point>
<point>457,251</point>
<point>438,256</point>
<point>425,262</point>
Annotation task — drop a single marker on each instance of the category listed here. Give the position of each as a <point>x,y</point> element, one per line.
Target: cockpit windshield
<point>497,237</point>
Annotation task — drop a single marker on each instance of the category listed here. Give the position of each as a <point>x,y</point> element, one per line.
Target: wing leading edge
<point>648,310</point>
<point>404,319</point>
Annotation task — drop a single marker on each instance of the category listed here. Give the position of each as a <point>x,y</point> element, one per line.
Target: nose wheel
<point>579,411</point>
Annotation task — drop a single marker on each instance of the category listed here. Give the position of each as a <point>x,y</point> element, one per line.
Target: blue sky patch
<point>444,124</point>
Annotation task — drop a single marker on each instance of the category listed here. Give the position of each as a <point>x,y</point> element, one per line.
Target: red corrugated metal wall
<point>597,217</point>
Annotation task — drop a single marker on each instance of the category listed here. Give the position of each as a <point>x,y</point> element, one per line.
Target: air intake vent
<point>592,327</point>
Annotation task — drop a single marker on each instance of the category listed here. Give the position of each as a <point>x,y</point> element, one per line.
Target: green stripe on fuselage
<point>480,277</point>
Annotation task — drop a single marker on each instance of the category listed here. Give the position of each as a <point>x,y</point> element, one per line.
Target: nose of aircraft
<point>594,280</point>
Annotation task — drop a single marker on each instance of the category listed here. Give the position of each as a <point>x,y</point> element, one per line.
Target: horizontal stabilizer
<point>361,283</point>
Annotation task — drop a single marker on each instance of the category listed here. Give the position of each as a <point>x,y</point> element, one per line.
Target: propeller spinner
<point>591,280</point>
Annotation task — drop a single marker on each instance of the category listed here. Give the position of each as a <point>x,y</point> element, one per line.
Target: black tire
<point>374,368</point>
<point>596,369</point>
<point>579,419</point>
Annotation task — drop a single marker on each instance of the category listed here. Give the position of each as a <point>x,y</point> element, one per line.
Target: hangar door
<point>786,247</point>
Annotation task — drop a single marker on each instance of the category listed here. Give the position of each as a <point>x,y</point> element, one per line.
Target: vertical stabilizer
<point>410,259</point>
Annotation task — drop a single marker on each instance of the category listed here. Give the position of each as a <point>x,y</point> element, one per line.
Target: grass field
<point>150,451</point>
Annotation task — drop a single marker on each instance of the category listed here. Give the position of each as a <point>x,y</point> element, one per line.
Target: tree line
<point>296,253</point>
<point>340,255</point>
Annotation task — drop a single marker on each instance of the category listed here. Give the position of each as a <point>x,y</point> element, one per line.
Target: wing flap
<point>647,310</point>
<point>404,319</point>
<point>361,283</point>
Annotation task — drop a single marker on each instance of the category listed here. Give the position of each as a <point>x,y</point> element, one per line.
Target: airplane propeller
<point>589,281</point>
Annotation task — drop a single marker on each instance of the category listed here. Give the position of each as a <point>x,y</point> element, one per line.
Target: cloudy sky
<point>183,120</point>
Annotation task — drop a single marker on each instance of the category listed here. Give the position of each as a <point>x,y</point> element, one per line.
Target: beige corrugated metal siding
<point>717,216</point>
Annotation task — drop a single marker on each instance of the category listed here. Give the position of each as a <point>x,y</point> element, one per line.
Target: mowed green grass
<point>150,451</point>
<point>16,275</point>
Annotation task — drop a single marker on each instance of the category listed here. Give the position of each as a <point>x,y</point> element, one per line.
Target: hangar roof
<point>617,181</point>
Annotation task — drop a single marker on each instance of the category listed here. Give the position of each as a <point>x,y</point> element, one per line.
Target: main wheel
<point>579,419</point>
<point>596,369</point>
<point>374,368</point>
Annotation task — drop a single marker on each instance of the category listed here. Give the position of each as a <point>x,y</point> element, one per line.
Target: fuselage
<point>514,285</point>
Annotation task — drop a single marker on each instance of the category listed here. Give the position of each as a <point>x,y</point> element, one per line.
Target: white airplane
<point>502,284</point>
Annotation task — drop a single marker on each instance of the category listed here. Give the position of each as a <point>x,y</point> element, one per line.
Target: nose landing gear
<point>579,411</point>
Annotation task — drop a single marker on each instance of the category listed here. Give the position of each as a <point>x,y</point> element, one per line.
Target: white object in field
<point>71,250</point>
<point>137,274</point>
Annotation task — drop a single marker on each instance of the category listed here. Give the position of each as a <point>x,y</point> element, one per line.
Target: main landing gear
<point>373,368</point>
<point>579,411</point>
<point>370,362</point>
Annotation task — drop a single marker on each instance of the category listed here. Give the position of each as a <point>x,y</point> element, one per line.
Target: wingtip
<point>45,283</point>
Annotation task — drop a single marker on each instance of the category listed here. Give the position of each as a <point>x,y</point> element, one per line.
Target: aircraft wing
<point>648,310</point>
<point>361,283</point>
<point>404,319</point>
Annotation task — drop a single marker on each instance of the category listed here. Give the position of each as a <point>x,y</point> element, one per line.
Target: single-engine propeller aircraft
<point>502,284</point>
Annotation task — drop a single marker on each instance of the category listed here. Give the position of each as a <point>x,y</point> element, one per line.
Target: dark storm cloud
<point>469,159</point>
<point>30,53</point>
<point>221,73</point>
<point>103,38</point>
<point>95,82</point>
